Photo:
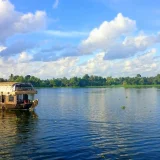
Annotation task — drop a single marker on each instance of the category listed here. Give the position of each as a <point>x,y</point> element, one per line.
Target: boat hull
<point>18,106</point>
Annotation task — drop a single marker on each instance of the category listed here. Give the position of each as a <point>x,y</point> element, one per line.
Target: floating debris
<point>123,107</point>
<point>103,156</point>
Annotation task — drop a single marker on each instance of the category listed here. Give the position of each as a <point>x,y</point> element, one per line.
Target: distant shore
<point>111,86</point>
<point>88,81</point>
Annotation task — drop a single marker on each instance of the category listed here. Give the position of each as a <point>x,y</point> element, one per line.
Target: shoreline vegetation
<point>88,81</point>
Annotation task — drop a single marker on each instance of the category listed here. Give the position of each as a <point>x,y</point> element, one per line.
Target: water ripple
<point>86,124</point>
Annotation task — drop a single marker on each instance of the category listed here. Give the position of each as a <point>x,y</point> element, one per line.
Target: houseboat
<point>15,95</point>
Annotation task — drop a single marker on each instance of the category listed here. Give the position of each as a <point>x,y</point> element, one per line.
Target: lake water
<point>83,123</point>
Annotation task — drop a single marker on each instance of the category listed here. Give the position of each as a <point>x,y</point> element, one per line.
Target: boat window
<point>31,97</point>
<point>11,98</point>
<point>25,97</point>
<point>22,87</point>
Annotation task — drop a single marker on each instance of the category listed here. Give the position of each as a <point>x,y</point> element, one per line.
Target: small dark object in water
<point>123,107</point>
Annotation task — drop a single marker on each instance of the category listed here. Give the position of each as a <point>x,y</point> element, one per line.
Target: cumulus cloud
<point>13,22</point>
<point>131,46</point>
<point>145,64</point>
<point>120,49</point>
<point>44,70</point>
<point>113,38</point>
<point>60,68</point>
<point>56,3</point>
<point>108,32</point>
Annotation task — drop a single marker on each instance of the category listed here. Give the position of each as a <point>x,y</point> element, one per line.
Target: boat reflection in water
<point>16,128</point>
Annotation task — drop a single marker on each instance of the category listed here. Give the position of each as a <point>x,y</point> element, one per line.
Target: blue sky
<point>57,38</point>
<point>86,14</point>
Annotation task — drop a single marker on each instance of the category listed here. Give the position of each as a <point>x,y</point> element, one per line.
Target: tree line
<point>84,81</point>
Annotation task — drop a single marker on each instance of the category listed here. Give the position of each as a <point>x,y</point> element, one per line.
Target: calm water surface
<point>85,124</point>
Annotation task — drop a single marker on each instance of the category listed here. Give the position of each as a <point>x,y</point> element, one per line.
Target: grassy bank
<point>125,86</point>
<point>111,86</point>
<point>141,86</point>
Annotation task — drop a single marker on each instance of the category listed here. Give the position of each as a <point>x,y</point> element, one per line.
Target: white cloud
<point>24,57</point>
<point>56,3</point>
<point>59,68</point>
<point>115,39</point>
<point>2,48</point>
<point>13,22</point>
<point>30,22</point>
<point>146,65</point>
<point>131,46</point>
<point>108,32</point>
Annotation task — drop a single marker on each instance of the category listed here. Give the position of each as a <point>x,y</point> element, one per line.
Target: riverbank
<point>111,86</point>
<point>88,81</point>
<point>125,86</point>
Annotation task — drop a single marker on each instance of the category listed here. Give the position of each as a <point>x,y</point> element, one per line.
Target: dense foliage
<point>85,81</point>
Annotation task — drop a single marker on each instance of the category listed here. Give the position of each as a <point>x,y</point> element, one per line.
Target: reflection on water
<point>85,124</point>
<point>16,127</point>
